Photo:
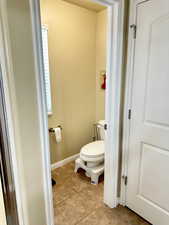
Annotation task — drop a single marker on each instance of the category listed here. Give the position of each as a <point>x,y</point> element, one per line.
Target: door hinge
<point>125,178</point>
<point>129,114</point>
<point>134,27</point>
<point>105,126</point>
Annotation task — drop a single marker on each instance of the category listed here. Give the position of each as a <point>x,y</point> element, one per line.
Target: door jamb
<point>128,98</point>
<point>41,100</point>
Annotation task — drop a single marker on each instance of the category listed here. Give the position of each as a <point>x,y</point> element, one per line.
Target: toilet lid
<point>93,150</point>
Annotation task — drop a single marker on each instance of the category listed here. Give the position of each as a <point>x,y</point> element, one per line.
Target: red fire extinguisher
<point>103,86</point>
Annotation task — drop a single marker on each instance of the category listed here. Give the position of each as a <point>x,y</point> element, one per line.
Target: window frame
<point>49,111</point>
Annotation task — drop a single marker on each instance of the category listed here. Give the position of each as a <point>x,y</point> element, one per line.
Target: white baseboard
<point>64,161</point>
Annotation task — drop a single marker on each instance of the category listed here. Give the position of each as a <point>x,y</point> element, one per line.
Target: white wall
<point>25,114</point>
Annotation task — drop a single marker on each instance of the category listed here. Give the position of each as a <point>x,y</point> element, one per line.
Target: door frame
<point>113,94</point>
<point>113,104</point>
<point>128,97</point>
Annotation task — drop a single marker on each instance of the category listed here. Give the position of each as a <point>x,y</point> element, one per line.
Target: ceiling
<point>88,4</point>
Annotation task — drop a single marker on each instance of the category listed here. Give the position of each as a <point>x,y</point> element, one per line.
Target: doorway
<point>74,38</point>
<point>115,27</point>
<point>114,57</point>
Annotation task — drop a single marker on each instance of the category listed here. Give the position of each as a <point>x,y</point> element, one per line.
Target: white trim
<point>9,90</point>
<point>113,101</point>
<point>128,97</point>
<point>64,161</point>
<point>113,98</point>
<point>43,117</point>
<point>47,76</point>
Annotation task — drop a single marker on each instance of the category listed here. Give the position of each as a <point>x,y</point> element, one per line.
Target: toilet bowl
<point>92,156</point>
<point>93,153</point>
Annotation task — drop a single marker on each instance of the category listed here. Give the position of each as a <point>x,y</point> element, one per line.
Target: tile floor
<point>77,202</point>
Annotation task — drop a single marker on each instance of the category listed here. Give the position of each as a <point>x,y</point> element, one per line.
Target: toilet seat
<point>93,152</point>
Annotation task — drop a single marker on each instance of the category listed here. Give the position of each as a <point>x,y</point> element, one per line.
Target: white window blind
<point>46,69</point>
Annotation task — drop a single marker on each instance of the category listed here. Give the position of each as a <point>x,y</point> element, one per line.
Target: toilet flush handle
<point>105,126</point>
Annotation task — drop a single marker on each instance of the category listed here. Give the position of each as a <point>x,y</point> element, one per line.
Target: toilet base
<point>93,172</point>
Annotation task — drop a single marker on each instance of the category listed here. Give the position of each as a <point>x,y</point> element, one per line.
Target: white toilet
<point>92,156</point>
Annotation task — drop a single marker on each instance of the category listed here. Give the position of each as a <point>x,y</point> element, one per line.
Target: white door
<point>148,165</point>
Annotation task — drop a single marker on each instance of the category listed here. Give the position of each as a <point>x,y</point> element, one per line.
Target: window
<point>46,69</point>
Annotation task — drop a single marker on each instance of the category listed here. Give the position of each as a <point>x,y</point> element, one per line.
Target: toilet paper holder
<point>51,130</point>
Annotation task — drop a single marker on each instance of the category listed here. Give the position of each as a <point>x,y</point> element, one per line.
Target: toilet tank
<point>100,128</point>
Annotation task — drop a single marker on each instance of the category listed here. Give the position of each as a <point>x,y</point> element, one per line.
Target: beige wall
<point>72,47</point>
<point>101,35</point>
<point>25,112</point>
<point>2,209</point>
<point>72,34</point>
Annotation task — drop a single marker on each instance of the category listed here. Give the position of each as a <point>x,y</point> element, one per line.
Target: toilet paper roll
<point>58,134</point>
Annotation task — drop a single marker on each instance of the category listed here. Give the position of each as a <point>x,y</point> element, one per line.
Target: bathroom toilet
<point>92,155</point>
